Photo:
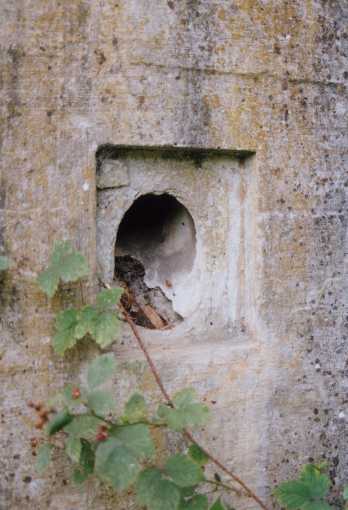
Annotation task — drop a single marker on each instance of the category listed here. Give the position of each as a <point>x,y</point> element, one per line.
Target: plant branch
<point>223,486</point>
<point>186,433</point>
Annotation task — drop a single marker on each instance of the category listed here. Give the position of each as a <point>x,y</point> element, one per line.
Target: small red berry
<point>43,413</point>
<point>76,393</point>
<point>40,423</point>
<point>102,435</point>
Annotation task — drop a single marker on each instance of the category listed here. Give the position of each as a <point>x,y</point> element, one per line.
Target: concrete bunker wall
<point>266,346</point>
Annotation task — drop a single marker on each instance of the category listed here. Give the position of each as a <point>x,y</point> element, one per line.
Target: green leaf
<point>108,298</point>
<point>66,264</point>
<point>135,409</point>
<point>101,402</point>
<point>100,370</point>
<point>4,263</point>
<point>318,482</point>
<point>115,464</point>
<point>184,471</point>
<point>48,280</point>
<point>316,505</point>
<point>217,505</point>
<point>345,493</point>
<point>73,448</point>
<point>43,457</point>
<point>198,502</point>
<point>184,397</point>
<point>198,455</point>
<point>136,438</point>
<point>155,492</point>
<point>79,476</point>
<point>306,492</point>
<point>107,328</point>
<point>187,412</point>
<point>293,494</point>
<point>61,419</point>
<point>84,426</point>
<point>65,326</point>
<point>187,492</point>
<point>87,461</point>
<point>87,457</point>
<point>86,322</point>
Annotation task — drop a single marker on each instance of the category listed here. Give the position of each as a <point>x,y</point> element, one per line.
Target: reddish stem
<point>188,434</point>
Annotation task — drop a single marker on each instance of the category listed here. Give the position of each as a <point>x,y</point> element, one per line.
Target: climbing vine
<point>117,445</point>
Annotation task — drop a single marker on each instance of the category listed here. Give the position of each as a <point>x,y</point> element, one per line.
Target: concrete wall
<point>267,76</point>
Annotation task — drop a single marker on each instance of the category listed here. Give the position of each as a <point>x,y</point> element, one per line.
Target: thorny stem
<point>186,433</point>
<point>223,486</point>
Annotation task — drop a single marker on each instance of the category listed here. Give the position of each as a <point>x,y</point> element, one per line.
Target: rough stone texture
<point>266,75</point>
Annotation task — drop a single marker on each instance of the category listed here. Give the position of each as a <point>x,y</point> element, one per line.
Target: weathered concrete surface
<point>268,76</point>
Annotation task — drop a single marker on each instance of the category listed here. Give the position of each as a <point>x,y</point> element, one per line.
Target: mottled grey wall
<point>268,76</point>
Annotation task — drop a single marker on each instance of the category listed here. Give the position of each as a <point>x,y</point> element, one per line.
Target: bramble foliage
<point>100,322</point>
<point>116,445</point>
<point>308,492</point>
<point>4,263</point>
<point>66,265</point>
<point>186,413</point>
<point>119,451</point>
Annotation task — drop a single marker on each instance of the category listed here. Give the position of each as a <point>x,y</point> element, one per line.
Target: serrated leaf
<point>101,402</point>
<point>218,505</point>
<point>43,457</point>
<point>84,426</point>
<point>136,438</point>
<point>107,328</point>
<point>86,322</point>
<point>184,397</point>
<point>155,492</point>
<point>66,264</point>
<point>135,409</point>
<point>61,419</point>
<point>318,482</point>
<point>48,281</point>
<point>65,325</point>
<point>307,492</point>
<point>184,471</point>
<point>293,494</point>
<point>188,415</point>
<point>316,505</point>
<point>115,464</point>
<point>187,412</point>
<point>86,461</point>
<point>198,502</point>
<point>187,492</point>
<point>79,476</point>
<point>100,370</point>
<point>73,448</point>
<point>198,455</point>
<point>108,298</point>
<point>4,263</point>
<point>345,493</point>
<point>87,457</point>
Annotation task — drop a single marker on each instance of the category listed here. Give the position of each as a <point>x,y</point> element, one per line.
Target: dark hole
<point>148,216</point>
<point>155,242</point>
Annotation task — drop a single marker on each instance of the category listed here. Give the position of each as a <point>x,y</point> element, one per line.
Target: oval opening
<point>155,251</point>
